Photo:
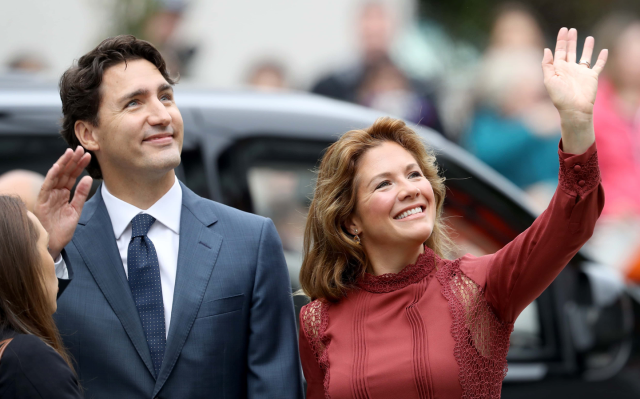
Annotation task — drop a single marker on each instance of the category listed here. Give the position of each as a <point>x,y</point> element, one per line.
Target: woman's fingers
<point>561,45</point>
<point>587,50</point>
<point>548,69</point>
<point>82,163</point>
<point>49,183</point>
<point>601,62</point>
<point>572,44</point>
<point>81,194</point>
<point>67,180</point>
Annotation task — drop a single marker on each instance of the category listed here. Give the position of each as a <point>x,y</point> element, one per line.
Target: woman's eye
<point>415,174</point>
<point>382,184</point>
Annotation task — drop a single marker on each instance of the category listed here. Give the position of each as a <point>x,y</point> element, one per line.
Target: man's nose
<point>159,114</point>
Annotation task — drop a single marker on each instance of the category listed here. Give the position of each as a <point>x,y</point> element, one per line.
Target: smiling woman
<point>390,316</point>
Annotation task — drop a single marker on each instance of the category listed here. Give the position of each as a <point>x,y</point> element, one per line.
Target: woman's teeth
<point>408,213</point>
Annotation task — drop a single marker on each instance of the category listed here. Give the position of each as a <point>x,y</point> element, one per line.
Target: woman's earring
<point>356,238</point>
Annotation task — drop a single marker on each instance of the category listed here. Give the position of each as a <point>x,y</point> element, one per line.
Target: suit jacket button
<point>581,183</point>
<point>577,168</point>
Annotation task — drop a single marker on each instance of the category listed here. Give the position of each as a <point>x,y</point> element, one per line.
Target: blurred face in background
<point>516,29</point>
<point>140,129</point>
<point>46,261</point>
<point>267,78</point>
<point>396,205</point>
<point>376,31</point>
<point>627,57</point>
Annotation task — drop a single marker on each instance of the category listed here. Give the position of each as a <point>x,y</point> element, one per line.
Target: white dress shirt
<point>164,233</point>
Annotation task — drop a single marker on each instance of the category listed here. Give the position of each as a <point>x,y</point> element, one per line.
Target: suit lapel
<point>197,255</point>
<point>97,245</point>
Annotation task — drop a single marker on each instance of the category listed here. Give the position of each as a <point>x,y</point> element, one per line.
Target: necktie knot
<point>141,224</point>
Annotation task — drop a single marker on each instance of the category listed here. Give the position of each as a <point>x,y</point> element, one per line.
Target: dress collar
<point>411,274</point>
<point>166,210</point>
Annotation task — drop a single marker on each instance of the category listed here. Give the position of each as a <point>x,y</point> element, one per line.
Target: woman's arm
<point>312,372</point>
<point>517,274</point>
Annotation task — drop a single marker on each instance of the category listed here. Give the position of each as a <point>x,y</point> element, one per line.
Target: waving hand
<point>57,215</point>
<point>572,87</point>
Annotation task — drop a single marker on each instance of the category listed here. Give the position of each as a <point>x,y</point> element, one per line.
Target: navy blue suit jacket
<point>232,332</point>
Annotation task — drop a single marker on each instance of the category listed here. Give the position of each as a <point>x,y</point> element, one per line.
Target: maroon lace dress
<point>440,328</point>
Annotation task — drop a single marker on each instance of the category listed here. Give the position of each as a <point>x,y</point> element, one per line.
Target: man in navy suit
<point>172,295</point>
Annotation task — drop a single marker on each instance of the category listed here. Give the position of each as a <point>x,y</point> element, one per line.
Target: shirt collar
<point>166,210</point>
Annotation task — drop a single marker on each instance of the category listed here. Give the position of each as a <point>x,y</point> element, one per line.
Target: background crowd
<point>474,79</point>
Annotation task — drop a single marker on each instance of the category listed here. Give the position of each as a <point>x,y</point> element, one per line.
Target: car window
<point>282,192</point>
<point>36,153</point>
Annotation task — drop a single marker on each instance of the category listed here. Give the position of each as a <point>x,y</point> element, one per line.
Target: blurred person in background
<point>23,183</point>
<point>516,128</point>
<point>385,87</point>
<point>33,361</point>
<point>160,29</point>
<point>267,76</point>
<point>26,63</point>
<point>617,122</point>
<point>375,80</point>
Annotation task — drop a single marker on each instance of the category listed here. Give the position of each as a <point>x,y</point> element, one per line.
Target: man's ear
<point>85,133</point>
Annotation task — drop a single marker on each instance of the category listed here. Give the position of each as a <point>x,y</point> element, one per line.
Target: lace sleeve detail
<point>578,178</point>
<point>314,322</point>
<point>481,338</point>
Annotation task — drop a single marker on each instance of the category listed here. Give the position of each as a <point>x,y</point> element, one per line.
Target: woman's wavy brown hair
<point>24,303</point>
<point>333,262</point>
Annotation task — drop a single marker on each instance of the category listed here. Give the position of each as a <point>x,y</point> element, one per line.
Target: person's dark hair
<point>80,84</point>
<point>24,304</point>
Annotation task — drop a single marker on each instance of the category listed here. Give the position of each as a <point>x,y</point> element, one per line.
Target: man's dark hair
<point>80,84</point>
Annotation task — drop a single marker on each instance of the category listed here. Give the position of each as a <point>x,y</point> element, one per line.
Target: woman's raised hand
<point>57,215</point>
<point>572,87</point>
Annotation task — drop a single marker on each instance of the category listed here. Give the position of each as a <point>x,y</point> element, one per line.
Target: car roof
<point>36,109</point>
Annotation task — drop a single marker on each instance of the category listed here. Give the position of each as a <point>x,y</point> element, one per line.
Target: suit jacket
<point>232,331</point>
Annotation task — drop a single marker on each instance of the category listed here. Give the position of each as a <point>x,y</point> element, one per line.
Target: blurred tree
<point>131,16</point>
<point>471,19</point>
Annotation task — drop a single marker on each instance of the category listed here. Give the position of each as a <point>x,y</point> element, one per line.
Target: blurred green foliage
<point>130,16</point>
<point>471,20</point>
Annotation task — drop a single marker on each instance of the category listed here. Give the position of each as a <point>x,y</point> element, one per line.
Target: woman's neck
<point>383,260</point>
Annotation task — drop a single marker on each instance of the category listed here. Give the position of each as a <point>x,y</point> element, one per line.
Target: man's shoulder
<point>226,214</point>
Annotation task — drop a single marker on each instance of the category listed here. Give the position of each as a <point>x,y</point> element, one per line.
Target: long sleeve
<point>312,372</point>
<point>517,274</point>
<point>274,368</point>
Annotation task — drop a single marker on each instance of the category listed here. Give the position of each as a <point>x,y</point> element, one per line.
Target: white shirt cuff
<point>61,268</point>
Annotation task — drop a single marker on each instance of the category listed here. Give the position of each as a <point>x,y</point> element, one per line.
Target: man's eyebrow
<point>144,92</point>
<point>165,87</point>
<point>139,92</point>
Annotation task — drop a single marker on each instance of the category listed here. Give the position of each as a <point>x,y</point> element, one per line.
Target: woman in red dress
<point>390,317</point>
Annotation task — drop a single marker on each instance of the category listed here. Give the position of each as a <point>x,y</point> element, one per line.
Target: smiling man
<point>172,295</point>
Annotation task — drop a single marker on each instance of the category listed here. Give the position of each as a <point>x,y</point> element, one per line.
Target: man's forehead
<point>139,73</point>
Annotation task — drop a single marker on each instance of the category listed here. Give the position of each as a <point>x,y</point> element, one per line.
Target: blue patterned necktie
<point>144,281</point>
